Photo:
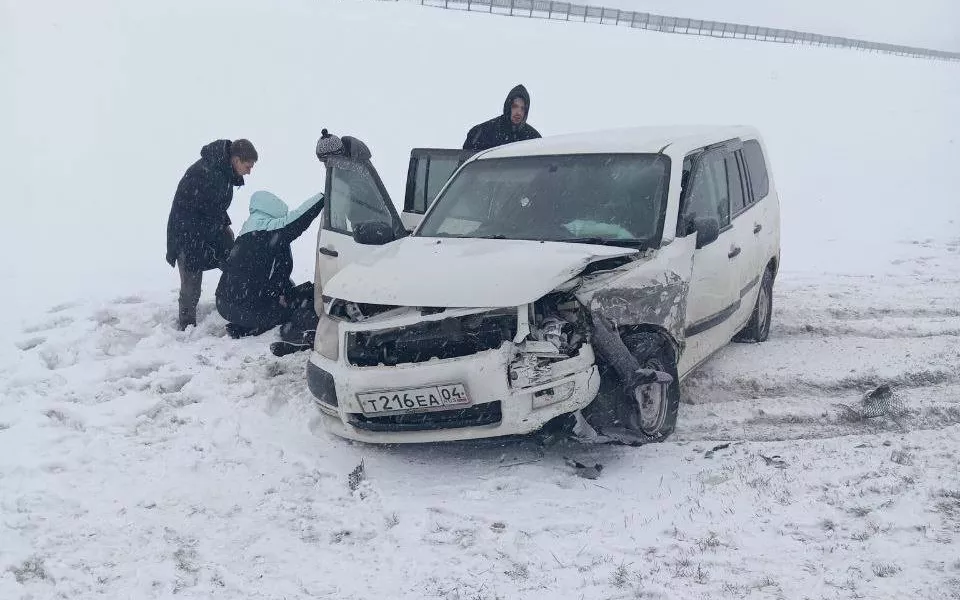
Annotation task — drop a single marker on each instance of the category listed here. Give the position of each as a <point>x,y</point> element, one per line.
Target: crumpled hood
<point>463,273</point>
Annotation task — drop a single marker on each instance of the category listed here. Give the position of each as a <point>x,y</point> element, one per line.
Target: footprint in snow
<point>30,343</point>
<point>60,418</point>
<point>105,317</point>
<point>48,325</point>
<point>62,307</point>
<point>174,384</point>
<point>53,360</point>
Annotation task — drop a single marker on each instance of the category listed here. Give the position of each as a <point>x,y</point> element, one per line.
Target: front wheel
<point>758,328</point>
<point>651,410</point>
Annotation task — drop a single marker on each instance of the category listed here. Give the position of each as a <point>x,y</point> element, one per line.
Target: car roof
<point>677,139</point>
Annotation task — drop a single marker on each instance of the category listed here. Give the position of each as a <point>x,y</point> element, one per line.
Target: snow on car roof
<point>680,139</point>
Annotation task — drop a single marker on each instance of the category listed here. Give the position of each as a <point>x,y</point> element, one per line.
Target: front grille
<point>475,416</point>
<point>447,338</point>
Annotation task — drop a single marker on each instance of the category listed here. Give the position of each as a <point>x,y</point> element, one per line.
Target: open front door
<point>359,215</point>
<point>430,169</point>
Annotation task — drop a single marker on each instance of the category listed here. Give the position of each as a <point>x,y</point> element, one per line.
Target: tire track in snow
<point>832,341</point>
<point>816,417</point>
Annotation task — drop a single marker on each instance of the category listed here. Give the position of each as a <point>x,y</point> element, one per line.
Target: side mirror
<point>708,230</point>
<point>373,233</point>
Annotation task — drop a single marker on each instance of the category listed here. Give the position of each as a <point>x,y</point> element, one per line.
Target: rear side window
<point>737,202</point>
<point>757,168</point>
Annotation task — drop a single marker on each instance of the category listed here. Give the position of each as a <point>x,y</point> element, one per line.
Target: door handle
<point>328,252</point>
<point>757,228</point>
<point>734,252</point>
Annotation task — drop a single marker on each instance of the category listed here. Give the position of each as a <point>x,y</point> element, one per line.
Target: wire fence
<point>565,11</point>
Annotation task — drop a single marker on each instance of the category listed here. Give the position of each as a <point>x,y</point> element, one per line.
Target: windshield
<point>593,198</point>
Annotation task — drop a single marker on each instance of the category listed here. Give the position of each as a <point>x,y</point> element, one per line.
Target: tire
<point>758,328</point>
<point>652,351</point>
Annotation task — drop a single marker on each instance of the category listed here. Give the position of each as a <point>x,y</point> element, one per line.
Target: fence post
<point>511,7</point>
<point>550,12</point>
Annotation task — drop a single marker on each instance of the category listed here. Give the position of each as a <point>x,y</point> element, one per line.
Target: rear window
<point>757,167</point>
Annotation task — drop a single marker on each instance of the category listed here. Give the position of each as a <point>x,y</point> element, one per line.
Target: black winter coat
<point>500,130</point>
<point>257,272</point>
<point>198,223</point>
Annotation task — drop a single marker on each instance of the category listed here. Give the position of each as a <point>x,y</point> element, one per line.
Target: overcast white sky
<point>928,23</point>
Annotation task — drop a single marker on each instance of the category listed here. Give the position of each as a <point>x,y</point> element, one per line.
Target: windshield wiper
<point>495,236</point>
<point>601,241</point>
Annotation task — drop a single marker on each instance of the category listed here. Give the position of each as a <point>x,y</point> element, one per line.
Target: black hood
<point>517,92</point>
<point>217,155</point>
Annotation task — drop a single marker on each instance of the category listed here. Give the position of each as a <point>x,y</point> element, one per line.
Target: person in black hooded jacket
<point>511,126</point>
<point>255,293</point>
<point>198,228</point>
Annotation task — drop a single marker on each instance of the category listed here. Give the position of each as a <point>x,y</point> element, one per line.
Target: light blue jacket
<point>267,212</point>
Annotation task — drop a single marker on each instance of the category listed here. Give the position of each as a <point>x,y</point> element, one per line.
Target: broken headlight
<point>328,337</point>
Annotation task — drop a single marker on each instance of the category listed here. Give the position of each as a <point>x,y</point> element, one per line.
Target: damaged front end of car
<point>573,356</point>
<point>630,324</point>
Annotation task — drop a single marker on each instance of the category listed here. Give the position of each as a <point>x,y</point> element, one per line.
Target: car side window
<point>708,195</point>
<point>738,201</point>
<point>355,198</point>
<point>420,183</point>
<point>757,169</point>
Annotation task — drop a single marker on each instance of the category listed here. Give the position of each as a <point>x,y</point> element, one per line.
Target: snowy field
<point>140,462</point>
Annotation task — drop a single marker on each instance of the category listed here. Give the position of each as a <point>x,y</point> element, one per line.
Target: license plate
<point>415,399</point>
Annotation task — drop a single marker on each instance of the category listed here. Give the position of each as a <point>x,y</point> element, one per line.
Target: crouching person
<point>255,293</point>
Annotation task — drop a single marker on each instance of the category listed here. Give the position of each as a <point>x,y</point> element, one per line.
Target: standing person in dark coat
<point>198,229</point>
<point>255,293</point>
<point>509,127</point>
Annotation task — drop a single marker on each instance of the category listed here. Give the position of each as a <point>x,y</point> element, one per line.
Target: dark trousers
<point>302,325</point>
<point>254,320</point>
<point>190,286</point>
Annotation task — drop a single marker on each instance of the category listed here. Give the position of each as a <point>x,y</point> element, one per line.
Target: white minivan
<point>568,281</point>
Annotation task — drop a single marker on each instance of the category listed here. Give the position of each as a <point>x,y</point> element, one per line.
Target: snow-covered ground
<point>140,462</point>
